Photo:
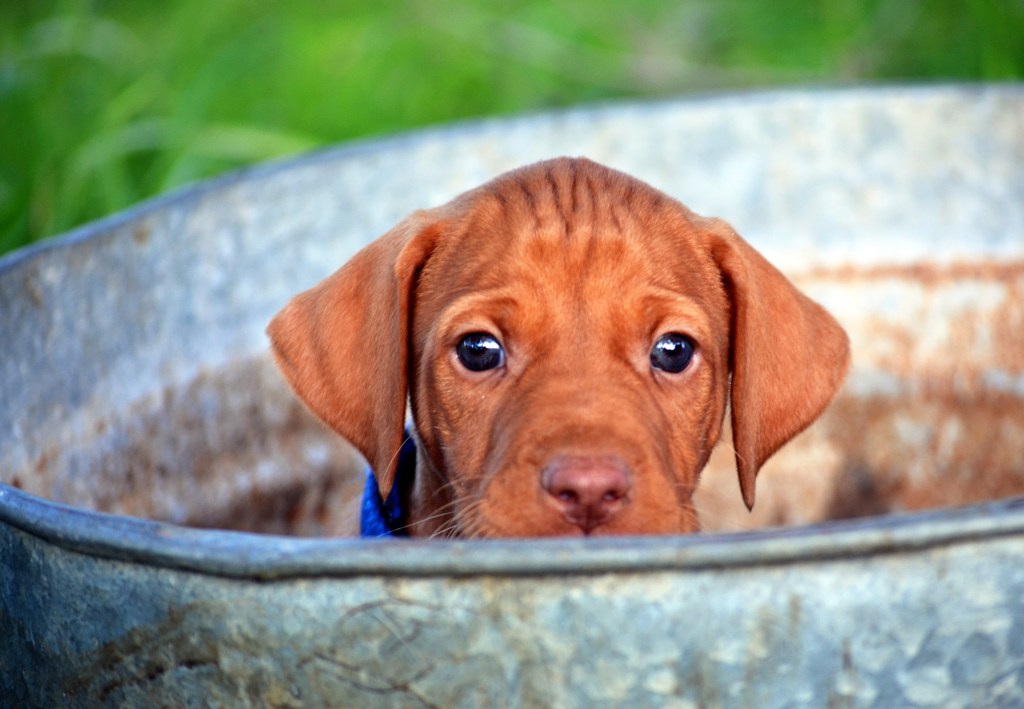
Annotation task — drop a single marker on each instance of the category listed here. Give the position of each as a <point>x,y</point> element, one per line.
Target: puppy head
<point>568,338</point>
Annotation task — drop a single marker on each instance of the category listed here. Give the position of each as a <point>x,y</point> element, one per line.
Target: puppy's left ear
<point>789,356</point>
<point>343,345</point>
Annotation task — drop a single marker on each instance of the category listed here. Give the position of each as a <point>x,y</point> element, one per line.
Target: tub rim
<point>274,557</point>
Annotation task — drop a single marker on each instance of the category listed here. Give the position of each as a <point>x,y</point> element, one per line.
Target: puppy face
<point>574,289</point>
<point>569,339</point>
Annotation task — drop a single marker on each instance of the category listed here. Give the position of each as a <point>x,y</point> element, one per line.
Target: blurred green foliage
<point>106,102</point>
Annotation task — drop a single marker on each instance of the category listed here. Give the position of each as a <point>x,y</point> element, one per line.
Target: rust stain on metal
<point>933,414</point>
<point>233,449</point>
<point>928,274</point>
<point>173,645</point>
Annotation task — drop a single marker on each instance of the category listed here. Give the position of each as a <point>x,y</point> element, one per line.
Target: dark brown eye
<point>479,351</point>
<point>672,352</point>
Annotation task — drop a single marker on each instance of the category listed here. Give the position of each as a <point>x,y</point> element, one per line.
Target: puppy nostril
<point>568,497</point>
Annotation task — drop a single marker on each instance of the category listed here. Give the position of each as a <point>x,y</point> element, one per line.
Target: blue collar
<point>386,518</point>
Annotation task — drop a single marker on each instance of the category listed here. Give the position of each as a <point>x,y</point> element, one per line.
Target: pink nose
<point>589,490</point>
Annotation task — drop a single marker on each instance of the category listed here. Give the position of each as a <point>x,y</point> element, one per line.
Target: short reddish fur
<point>578,269</point>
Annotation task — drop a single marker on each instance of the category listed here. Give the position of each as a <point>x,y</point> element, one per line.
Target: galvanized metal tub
<point>134,380</point>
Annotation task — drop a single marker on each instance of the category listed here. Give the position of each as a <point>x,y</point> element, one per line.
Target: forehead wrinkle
<point>560,200</point>
<point>517,230</point>
<point>570,200</point>
<point>554,193</point>
<point>527,201</point>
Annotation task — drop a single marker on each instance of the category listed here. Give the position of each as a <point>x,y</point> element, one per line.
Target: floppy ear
<point>343,345</point>
<point>788,354</point>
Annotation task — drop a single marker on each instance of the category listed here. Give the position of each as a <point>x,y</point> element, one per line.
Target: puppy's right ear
<point>343,345</point>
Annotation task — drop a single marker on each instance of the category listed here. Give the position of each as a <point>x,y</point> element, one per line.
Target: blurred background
<point>104,103</point>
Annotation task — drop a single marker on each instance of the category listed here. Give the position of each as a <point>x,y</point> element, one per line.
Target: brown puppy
<point>569,338</point>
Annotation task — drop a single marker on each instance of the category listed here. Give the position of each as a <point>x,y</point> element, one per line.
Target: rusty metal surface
<point>134,380</point>
<point>933,414</point>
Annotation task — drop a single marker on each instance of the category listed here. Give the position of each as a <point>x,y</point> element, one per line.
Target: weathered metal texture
<point>898,613</point>
<point>134,380</point>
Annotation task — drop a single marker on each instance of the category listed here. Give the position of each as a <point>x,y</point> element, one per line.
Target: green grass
<point>106,103</point>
